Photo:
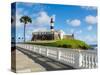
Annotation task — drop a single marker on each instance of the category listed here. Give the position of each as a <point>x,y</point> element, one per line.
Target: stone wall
<point>49,36</point>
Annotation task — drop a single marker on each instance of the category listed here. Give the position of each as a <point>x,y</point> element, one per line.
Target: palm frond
<point>25,19</point>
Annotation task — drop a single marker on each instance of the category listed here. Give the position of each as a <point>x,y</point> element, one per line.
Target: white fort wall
<point>72,57</point>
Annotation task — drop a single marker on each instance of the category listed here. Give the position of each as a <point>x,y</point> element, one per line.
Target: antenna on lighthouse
<point>52,19</point>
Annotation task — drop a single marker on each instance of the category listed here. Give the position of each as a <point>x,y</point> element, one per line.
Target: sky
<point>80,20</point>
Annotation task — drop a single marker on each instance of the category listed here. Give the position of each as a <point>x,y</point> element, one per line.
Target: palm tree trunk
<point>24,31</point>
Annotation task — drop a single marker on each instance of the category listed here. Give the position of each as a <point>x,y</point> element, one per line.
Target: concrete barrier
<point>72,57</point>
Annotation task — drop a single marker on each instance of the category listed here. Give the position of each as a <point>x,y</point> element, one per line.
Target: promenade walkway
<point>25,64</point>
<point>30,61</point>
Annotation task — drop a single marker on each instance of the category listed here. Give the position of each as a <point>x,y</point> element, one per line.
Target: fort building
<point>50,34</point>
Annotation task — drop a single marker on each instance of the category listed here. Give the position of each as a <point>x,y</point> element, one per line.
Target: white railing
<point>72,57</point>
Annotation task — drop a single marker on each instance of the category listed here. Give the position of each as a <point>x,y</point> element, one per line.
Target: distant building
<point>68,36</point>
<point>51,34</point>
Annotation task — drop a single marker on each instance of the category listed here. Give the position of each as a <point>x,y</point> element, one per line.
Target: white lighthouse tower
<point>52,24</point>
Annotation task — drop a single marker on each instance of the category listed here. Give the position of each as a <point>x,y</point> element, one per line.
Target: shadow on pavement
<point>45,60</point>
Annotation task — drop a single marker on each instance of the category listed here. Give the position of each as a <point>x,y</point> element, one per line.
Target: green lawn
<point>70,43</point>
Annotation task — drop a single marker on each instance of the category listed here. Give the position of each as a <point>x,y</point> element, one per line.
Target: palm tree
<point>25,20</point>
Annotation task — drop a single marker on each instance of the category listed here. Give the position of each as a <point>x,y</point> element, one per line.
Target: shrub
<point>66,46</point>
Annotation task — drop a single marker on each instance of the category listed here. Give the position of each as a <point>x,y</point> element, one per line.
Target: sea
<point>94,46</point>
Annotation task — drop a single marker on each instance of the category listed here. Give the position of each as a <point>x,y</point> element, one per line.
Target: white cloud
<point>74,22</point>
<point>89,7</point>
<point>72,30</point>
<point>78,32</point>
<point>42,19</point>
<point>91,19</point>
<point>88,39</point>
<point>90,28</point>
<point>91,40</point>
<point>61,31</point>
<point>40,29</point>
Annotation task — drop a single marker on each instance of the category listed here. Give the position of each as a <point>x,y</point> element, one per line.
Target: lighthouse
<point>52,24</point>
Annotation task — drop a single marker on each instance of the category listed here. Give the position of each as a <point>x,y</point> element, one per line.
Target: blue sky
<point>80,20</point>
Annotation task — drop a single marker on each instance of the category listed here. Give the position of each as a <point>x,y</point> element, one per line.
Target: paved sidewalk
<point>47,63</point>
<point>25,64</point>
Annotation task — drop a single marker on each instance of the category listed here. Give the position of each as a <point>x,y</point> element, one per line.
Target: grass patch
<point>70,43</point>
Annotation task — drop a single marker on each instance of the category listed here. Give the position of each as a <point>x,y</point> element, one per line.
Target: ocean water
<point>94,46</point>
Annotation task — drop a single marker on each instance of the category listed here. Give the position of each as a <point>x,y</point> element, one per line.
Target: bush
<point>59,45</point>
<point>66,46</point>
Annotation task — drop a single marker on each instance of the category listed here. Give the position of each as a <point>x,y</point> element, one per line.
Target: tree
<point>25,20</point>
